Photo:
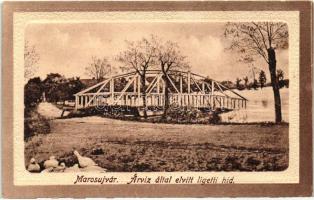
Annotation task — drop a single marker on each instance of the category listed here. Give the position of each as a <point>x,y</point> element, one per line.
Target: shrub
<point>118,112</point>
<point>32,92</point>
<point>35,124</point>
<point>191,115</point>
<point>183,114</point>
<point>213,117</point>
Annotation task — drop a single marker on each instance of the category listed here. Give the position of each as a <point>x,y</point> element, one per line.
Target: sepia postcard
<point>157,99</point>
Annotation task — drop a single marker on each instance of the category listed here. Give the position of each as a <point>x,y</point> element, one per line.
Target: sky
<point>68,48</point>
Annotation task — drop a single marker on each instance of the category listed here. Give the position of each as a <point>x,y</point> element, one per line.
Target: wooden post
<point>197,100</point>
<point>189,82</point>
<point>159,100</point>
<point>134,86</point>
<point>203,88</point>
<point>112,89</point>
<point>181,91</point>
<point>138,90</point>
<point>76,102</point>
<point>163,88</point>
<point>213,87</point>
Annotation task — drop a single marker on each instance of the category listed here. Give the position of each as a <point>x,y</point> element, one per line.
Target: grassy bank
<point>133,146</point>
<point>34,123</point>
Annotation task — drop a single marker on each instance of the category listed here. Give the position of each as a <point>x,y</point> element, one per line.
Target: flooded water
<point>260,107</point>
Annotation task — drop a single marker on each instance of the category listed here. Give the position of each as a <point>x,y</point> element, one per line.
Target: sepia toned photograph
<point>156,97</point>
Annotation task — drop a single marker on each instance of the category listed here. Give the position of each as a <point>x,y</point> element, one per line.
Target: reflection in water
<point>260,107</point>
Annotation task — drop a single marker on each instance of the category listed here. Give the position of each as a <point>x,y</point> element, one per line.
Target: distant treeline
<point>252,85</point>
<point>245,83</point>
<point>53,88</point>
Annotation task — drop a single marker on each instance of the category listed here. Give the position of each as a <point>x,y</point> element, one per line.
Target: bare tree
<point>260,40</point>
<point>169,58</point>
<point>246,80</point>
<point>139,56</point>
<point>31,58</point>
<point>98,68</point>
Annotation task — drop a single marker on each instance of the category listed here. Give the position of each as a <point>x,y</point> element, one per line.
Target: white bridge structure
<point>185,89</point>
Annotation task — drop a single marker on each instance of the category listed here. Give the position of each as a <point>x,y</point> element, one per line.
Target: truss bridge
<point>185,89</point>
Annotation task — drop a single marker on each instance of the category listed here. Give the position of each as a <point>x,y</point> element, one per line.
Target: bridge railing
<point>157,100</point>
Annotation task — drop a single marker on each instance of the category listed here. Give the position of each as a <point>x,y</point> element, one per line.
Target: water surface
<point>260,107</point>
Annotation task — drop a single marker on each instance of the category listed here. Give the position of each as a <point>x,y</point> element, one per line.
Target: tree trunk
<point>143,83</point>
<point>274,83</point>
<point>166,105</point>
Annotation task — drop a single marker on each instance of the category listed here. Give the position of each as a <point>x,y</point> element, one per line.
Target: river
<point>260,107</point>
